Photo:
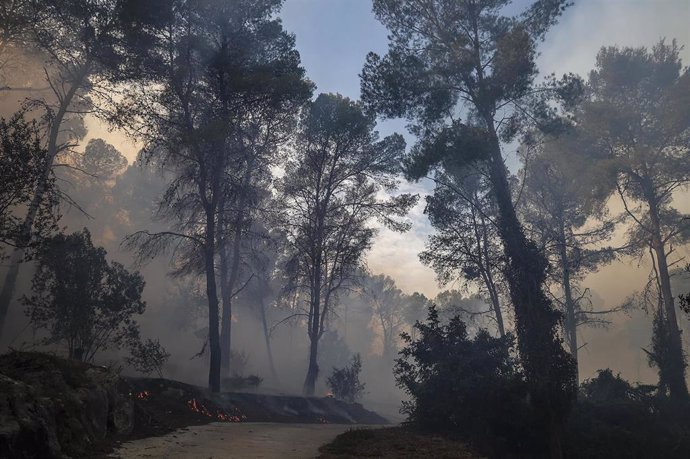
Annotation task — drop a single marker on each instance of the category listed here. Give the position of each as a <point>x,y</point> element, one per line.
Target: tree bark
<point>313,370</point>
<point>489,280</point>
<point>212,294</point>
<point>267,337</point>
<point>314,329</point>
<point>226,314</point>
<point>675,373</point>
<point>570,324</point>
<point>548,368</point>
<point>230,274</point>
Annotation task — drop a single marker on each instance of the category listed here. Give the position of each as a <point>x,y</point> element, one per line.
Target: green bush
<point>471,388</point>
<point>616,419</point>
<point>344,382</point>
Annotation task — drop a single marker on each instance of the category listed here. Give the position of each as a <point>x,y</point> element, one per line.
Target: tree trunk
<point>548,368</point>
<point>8,287</point>
<point>489,279</point>
<point>212,294</point>
<point>675,373</point>
<point>226,314</point>
<point>313,370</point>
<point>570,323</point>
<point>230,274</point>
<point>267,338</point>
<point>314,330</point>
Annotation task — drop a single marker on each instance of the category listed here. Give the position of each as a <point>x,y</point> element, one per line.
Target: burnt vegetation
<point>221,231</point>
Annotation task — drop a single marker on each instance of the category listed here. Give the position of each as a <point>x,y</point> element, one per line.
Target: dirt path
<point>236,440</point>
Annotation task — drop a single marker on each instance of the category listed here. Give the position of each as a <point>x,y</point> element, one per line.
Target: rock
<point>52,408</point>
<point>27,423</point>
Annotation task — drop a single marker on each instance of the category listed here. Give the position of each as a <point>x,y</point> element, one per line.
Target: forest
<point>486,255</point>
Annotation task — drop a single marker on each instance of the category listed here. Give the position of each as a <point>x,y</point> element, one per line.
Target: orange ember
<point>221,416</point>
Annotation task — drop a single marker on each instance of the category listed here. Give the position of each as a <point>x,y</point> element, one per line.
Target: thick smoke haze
<point>333,38</point>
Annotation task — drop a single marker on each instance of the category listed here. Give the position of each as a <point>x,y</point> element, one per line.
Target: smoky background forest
<point>296,188</point>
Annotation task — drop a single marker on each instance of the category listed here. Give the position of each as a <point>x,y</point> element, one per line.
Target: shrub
<point>147,357</point>
<point>616,419</point>
<point>471,388</point>
<point>606,387</point>
<point>83,301</point>
<point>344,382</point>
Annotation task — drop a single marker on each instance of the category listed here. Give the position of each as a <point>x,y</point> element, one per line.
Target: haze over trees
<point>235,246</point>
<point>453,60</point>
<point>564,207</point>
<point>466,244</point>
<point>214,123</point>
<point>330,196</point>
<point>636,110</point>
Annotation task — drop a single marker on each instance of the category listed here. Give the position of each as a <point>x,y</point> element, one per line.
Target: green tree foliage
<point>616,419</point>
<point>454,68</point>
<point>416,308</point>
<point>637,111</point>
<point>471,387</point>
<point>22,165</point>
<point>344,382</point>
<point>685,298</point>
<point>84,302</point>
<point>329,196</point>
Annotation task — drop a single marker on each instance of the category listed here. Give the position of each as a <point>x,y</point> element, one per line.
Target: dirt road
<point>236,441</point>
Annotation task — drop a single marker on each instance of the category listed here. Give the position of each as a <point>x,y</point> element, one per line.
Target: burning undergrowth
<point>162,405</point>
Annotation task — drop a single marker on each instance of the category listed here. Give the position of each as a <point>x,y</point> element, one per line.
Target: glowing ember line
<point>198,407</point>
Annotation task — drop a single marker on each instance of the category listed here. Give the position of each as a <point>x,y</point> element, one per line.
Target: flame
<point>323,420</point>
<point>142,395</point>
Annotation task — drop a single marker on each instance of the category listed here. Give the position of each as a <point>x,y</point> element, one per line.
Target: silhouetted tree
<point>329,196</point>
<point>83,301</point>
<point>469,308</point>
<point>226,75</point>
<point>466,246</point>
<point>416,308</point>
<point>388,306</point>
<point>564,205</point>
<point>22,164</point>
<point>449,60</point>
<point>81,42</point>
<point>638,113</point>
<point>470,387</point>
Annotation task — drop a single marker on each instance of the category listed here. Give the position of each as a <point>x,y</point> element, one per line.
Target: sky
<point>334,37</point>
